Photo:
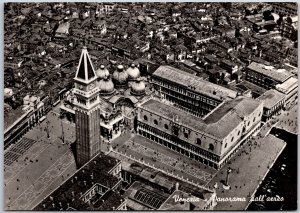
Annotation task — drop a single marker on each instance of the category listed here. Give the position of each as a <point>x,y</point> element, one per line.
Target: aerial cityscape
<point>150,106</point>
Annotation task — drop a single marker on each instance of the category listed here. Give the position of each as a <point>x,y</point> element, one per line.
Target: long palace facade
<point>212,140</point>
<point>188,91</point>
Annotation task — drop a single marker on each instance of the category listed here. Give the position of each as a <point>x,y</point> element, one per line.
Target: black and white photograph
<point>150,106</point>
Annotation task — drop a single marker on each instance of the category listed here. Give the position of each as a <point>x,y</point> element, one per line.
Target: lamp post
<point>48,135</point>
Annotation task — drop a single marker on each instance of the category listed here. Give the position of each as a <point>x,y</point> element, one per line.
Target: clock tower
<point>87,111</point>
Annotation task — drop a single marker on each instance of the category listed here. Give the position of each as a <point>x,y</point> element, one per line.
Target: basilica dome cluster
<point>120,78</point>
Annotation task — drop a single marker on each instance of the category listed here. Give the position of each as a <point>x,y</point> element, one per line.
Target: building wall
<point>242,129</point>
<point>185,133</point>
<point>275,110</point>
<point>284,9</point>
<point>186,99</point>
<point>87,135</point>
<point>195,144</point>
<point>260,79</point>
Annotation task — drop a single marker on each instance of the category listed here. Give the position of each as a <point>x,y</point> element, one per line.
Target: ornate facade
<point>211,140</point>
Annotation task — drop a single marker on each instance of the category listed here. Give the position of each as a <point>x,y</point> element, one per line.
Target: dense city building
<point>266,76</point>
<point>179,106</point>
<point>287,9</point>
<point>274,103</point>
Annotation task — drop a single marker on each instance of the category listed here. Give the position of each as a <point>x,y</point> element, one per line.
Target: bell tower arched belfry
<point>87,111</point>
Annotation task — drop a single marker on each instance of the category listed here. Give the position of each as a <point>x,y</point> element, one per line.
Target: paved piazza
<point>150,153</point>
<point>174,162</point>
<point>36,165</point>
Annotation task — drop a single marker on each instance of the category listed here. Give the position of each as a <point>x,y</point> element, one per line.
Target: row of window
<point>195,98</point>
<point>186,134</point>
<point>183,144</point>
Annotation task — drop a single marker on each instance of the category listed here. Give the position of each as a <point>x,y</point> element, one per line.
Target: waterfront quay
<point>248,169</point>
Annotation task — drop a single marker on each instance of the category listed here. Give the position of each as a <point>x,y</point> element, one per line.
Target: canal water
<point>281,181</point>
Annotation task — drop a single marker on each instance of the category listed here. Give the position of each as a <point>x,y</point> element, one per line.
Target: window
<point>211,147</point>
<point>248,123</point>
<point>253,119</point>
<point>239,132</point>
<point>225,145</point>
<point>198,141</point>
<point>186,135</point>
<point>145,118</point>
<point>155,122</point>
<point>166,126</point>
<point>232,139</point>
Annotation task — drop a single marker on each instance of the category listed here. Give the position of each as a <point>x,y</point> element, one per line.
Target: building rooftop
<point>12,116</point>
<point>253,87</point>
<point>288,85</point>
<point>171,113</point>
<point>94,172</point>
<point>85,72</point>
<point>229,115</point>
<point>194,83</point>
<point>144,196</point>
<point>219,123</point>
<point>271,98</point>
<point>280,75</point>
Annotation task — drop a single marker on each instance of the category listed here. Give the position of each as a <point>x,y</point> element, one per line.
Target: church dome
<point>120,76</point>
<point>138,87</point>
<point>133,72</point>
<point>102,72</point>
<point>106,86</point>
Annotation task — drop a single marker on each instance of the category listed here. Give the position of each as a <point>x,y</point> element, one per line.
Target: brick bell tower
<point>87,111</point>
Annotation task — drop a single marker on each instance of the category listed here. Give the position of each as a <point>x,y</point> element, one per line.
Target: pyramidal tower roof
<point>85,71</point>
